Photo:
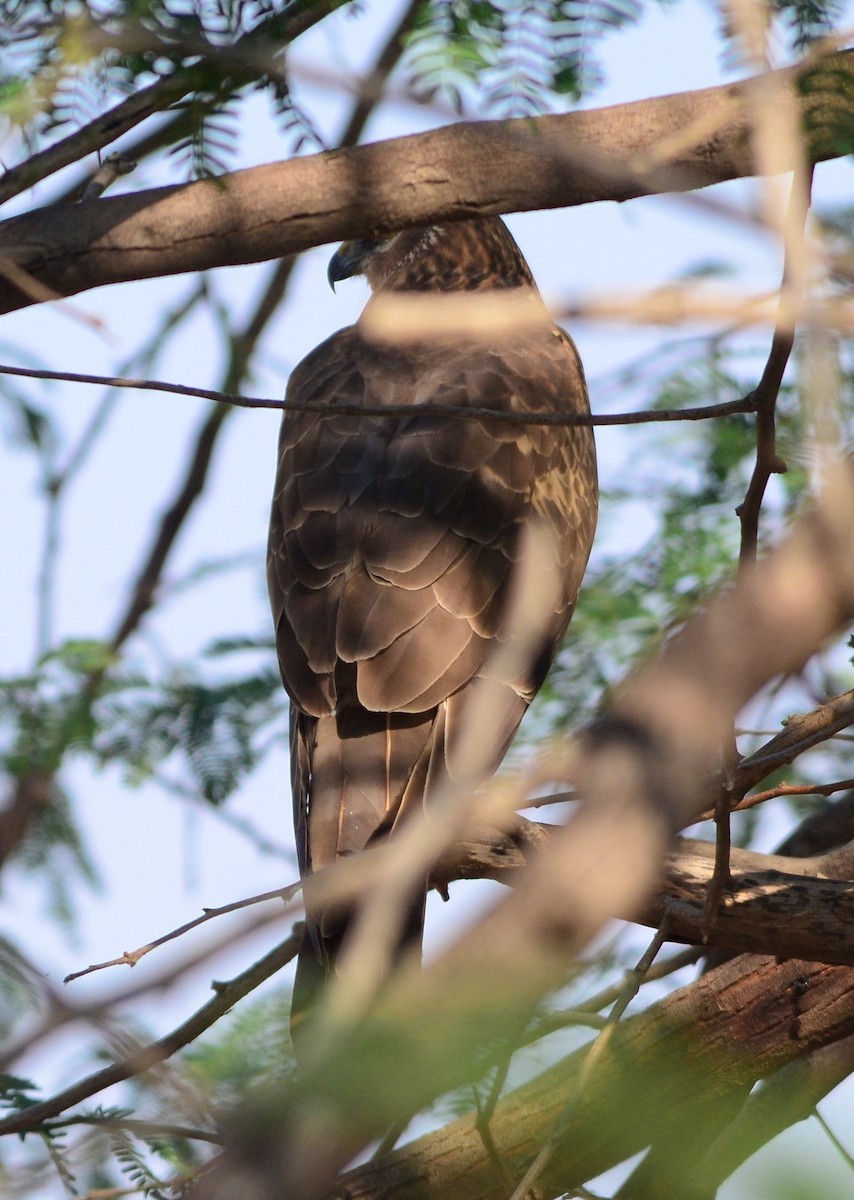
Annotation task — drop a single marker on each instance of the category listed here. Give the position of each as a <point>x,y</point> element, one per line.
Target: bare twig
<point>41,293</point>
<point>801,733</point>
<point>767,463</point>
<point>111,169</point>
<point>557,419</point>
<point>551,1022</point>
<point>131,957</point>
<point>138,1127</point>
<point>721,876</point>
<point>97,1011</point>
<point>846,1154</point>
<point>486,1109</point>
<point>767,391</point>
<point>793,789</point>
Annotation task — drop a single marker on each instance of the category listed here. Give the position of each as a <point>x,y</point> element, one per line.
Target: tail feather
<point>363,772</point>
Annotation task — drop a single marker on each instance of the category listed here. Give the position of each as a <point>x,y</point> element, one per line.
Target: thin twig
<point>721,875</point>
<point>703,413</point>
<point>486,1110</point>
<point>767,391</point>
<point>767,463</point>
<point>389,1139</point>
<point>140,1128</point>
<point>40,293</point>
<point>801,733</point>
<point>96,1012</point>
<point>849,1158</point>
<point>789,789</point>
<point>131,957</point>
<point>483,1127</point>
<point>552,1022</point>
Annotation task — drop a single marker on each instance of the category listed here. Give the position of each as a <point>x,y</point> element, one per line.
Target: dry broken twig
<point>130,958</point>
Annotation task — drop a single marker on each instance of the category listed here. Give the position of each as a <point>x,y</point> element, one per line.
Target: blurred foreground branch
<point>674,1063</point>
<point>644,771</point>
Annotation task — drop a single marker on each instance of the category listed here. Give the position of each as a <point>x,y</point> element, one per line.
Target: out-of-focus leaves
<point>215,729</point>
<point>250,1049</point>
<point>519,56</point>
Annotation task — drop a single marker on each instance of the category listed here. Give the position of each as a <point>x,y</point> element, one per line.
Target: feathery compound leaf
<point>521,54</point>
<point>831,116</point>
<point>15,1092</point>
<point>296,125</point>
<point>133,1165</point>
<point>215,728</point>
<point>211,145</point>
<point>809,20</point>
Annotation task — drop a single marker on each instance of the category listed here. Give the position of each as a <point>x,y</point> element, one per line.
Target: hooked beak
<point>347,261</point>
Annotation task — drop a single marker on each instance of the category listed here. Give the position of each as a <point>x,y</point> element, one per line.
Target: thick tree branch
<point>665,1067</point>
<point>789,1096</point>
<point>672,143</point>
<point>789,907</point>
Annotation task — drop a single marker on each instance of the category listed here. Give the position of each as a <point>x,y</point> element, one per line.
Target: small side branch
<point>130,958</point>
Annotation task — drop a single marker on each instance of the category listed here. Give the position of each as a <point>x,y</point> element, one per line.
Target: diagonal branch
<point>226,996</point>
<point>673,1064</point>
<point>790,907</point>
<point>158,96</point>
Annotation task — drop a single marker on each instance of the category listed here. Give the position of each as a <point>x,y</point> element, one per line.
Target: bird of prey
<point>394,541</point>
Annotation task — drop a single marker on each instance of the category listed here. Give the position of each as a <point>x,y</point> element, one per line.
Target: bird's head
<point>459,256</point>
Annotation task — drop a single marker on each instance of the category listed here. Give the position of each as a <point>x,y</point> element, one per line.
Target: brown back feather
<point>394,540</point>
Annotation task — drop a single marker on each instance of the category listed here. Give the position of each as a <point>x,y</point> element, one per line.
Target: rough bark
<point>669,1067</point>
<point>788,907</point>
<point>670,143</point>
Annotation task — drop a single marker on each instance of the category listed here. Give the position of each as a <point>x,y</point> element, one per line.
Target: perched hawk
<point>393,544</point>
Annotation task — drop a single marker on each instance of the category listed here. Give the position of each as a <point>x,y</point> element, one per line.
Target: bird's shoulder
<point>536,369</point>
